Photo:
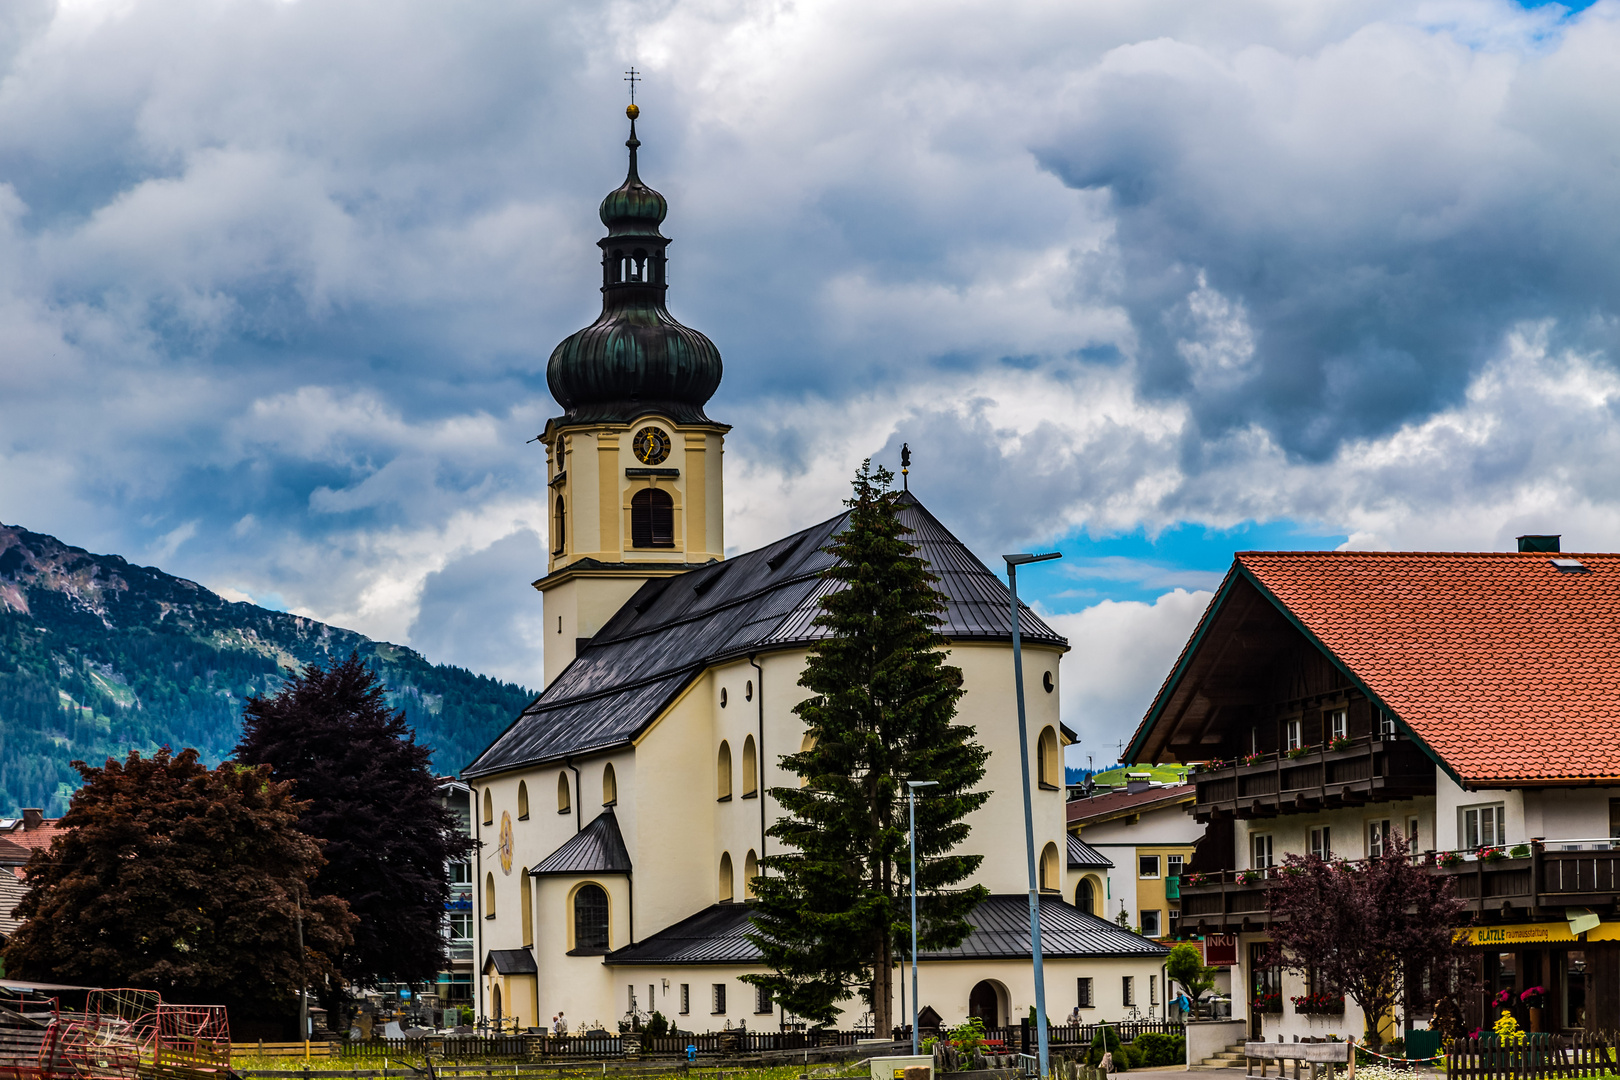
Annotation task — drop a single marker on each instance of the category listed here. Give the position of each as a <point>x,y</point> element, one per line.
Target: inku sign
<point>1220,950</point>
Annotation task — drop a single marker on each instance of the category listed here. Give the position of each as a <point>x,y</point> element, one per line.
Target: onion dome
<point>635,358</point>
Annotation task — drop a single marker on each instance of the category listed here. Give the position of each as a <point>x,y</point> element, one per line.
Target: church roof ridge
<point>674,627</point>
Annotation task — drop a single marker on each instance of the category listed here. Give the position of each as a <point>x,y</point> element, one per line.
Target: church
<point>622,816</point>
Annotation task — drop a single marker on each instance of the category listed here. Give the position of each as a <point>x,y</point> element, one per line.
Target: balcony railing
<point>1524,881</point>
<point>1346,772</point>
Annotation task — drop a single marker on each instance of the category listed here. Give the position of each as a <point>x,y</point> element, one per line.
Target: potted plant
<point>1534,999</point>
<point>1197,878</point>
<point>1249,877</point>
<point>1266,1002</point>
<point>1339,742</point>
<point>1449,858</point>
<point>1492,855</point>
<point>1299,751</point>
<point>1250,759</point>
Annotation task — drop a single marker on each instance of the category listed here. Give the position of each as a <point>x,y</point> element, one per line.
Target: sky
<point>1143,281</point>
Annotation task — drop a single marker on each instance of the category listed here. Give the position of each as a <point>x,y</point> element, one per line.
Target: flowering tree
<point>1380,931</point>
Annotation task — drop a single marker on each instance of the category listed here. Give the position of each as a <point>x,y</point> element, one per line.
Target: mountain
<point>99,657</point>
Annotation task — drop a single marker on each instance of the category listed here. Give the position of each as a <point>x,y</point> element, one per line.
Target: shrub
<point>1156,1050</point>
<point>657,1024</point>
<point>1105,1041</point>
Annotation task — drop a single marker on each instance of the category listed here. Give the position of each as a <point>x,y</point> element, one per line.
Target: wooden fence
<point>283,1049</point>
<point>1083,1034</point>
<point>1486,1058</point>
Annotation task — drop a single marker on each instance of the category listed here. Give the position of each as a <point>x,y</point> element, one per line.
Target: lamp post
<point>911,801</point>
<point>1013,563</point>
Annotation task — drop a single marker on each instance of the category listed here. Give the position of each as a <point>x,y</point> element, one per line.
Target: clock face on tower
<point>651,446</point>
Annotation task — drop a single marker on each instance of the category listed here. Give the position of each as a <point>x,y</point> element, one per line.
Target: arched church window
<point>1049,760</point>
<point>610,785</point>
<point>750,872</point>
<point>727,883</point>
<point>523,800</point>
<point>565,797</point>
<point>1085,897</point>
<point>1049,869</point>
<point>489,896</point>
<point>723,773</point>
<point>652,519</point>
<point>750,770</point>
<point>559,527</point>
<point>489,808</point>
<point>590,917</point>
<point>527,892</point>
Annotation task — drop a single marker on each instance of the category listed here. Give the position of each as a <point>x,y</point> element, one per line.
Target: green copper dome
<point>635,358</point>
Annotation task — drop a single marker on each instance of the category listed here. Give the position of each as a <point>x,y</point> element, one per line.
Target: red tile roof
<point>37,837</point>
<point>1503,665</point>
<point>1119,802</point>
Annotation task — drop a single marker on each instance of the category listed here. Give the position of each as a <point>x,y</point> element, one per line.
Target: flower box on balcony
<point>1266,1003</point>
<point>1319,1004</point>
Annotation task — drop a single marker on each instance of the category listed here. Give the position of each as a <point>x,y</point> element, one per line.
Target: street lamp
<point>911,800</point>
<point>1013,563</point>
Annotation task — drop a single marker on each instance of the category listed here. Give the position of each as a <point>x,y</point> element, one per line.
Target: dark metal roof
<point>718,935</point>
<point>598,848</point>
<point>1082,856</point>
<point>511,962</point>
<point>674,627</point>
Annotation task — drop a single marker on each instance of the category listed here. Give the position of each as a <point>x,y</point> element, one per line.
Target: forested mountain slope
<point>99,657</point>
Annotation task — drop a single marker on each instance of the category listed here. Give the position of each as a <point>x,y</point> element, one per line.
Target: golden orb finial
<point>633,111</point>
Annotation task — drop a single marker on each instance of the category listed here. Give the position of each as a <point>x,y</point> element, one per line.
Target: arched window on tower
<point>610,785</point>
<point>723,773</point>
<point>725,888</point>
<point>617,267</point>
<point>559,527</point>
<point>638,265</point>
<point>1048,766</point>
<point>1051,881</point>
<point>652,519</point>
<point>523,800</point>
<point>750,770</point>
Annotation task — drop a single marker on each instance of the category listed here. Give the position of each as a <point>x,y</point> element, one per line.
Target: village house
<point>623,816</point>
<point>1466,702</point>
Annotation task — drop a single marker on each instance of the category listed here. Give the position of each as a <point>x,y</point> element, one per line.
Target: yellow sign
<point>1534,934</point>
<point>506,842</point>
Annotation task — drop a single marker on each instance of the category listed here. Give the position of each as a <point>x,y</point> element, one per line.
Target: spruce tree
<point>832,914</point>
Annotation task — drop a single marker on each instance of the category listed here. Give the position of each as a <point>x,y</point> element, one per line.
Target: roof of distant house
<point>673,628</point>
<point>1117,804</point>
<point>18,831</point>
<point>1504,665</point>
<point>11,894</point>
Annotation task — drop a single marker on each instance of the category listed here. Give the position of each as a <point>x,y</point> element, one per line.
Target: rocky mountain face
<point>99,657</point>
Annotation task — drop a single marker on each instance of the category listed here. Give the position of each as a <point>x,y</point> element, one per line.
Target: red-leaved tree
<point>1382,931</point>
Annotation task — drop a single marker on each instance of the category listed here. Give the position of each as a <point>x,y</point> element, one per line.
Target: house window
<point>652,519</point>
<point>1147,866</point>
<point>1260,853</point>
<point>590,917</point>
<point>1322,842</point>
<point>1386,724</point>
<point>523,801</point>
<point>461,928</point>
<point>1292,735</point>
<point>1254,740</point>
<point>762,1001</point>
<point>1412,834</point>
<point>1338,723</point>
<point>718,1001</point>
<point>1083,993</point>
<point>1048,762</point>
<point>686,998</point>
<point>1377,838</point>
<point>565,797</point>
<point>460,874</point>
<point>1614,818</point>
<point>1174,865</point>
<point>1129,990</point>
<point>1150,923</point>
<point>1481,826</point>
<point>1175,913</point>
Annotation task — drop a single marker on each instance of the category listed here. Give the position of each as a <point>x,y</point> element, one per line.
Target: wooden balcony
<point>1531,882</point>
<point>1366,770</point>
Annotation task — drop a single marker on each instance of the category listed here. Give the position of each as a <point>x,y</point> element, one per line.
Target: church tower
<point>633,463</point>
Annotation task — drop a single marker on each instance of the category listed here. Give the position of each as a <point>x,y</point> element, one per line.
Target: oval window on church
<point>652,519</point>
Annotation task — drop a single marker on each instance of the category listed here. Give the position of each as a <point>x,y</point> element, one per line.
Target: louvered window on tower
<point>652,519</point>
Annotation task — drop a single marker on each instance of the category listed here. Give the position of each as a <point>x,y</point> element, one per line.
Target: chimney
<point>33,819</point>
<point>1539,543</point>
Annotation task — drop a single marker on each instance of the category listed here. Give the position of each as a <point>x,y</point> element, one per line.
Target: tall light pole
<point>1013,563</point>
<point>911,800</point>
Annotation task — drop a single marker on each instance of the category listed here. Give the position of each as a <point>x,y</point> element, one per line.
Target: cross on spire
<point>632,77</point>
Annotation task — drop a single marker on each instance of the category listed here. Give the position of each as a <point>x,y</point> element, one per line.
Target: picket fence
<point>1486,1058</point>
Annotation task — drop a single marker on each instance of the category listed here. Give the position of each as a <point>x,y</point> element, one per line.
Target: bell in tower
<point>634,463</point>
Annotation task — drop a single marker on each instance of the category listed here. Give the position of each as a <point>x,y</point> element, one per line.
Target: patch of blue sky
<point>1142,566</point>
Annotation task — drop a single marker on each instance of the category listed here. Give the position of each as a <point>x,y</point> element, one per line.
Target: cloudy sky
<point>1149,281</point>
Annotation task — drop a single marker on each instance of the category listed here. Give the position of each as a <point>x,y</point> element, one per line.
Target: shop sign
<point>1534,934</point>
<point>1220,950</point>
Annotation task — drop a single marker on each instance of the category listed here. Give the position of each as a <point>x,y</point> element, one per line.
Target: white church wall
<point>578,986</point>
<point>673,850</point>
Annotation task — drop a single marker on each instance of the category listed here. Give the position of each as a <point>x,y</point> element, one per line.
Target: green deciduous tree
<point>190,881</point>
<point>372,801</point>
<point>832,914</point>
<point>1185,964</point>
